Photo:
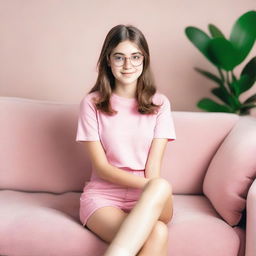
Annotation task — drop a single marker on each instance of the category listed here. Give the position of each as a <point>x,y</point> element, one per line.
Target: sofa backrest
<point>199,135</point>
<point>38,150</point>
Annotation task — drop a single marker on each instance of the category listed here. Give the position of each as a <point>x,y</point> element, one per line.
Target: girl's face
<point>125,71</point>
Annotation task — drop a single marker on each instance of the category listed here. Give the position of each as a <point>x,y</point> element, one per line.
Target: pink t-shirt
<point>126,137</point>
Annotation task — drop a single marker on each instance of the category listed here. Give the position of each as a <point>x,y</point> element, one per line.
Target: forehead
<point>126,47</point>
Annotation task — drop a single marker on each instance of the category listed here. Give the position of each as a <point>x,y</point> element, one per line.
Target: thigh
<point>106,221</point>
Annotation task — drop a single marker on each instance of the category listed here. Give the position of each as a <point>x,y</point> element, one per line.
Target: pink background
<point>49,48</point>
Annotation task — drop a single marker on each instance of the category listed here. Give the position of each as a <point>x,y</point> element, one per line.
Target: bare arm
<point>153,167</point>
<point>155,157</point>
<point>109,172</point>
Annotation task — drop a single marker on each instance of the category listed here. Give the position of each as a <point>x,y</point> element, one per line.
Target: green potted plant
<point>226,54</point>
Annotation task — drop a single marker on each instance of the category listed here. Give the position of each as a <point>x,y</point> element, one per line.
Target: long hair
<point>105,83</point>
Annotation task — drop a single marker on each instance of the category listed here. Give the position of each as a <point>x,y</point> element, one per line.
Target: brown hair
<point>105,83</point>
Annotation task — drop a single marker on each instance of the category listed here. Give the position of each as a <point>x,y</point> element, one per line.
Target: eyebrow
<point>124,54</point>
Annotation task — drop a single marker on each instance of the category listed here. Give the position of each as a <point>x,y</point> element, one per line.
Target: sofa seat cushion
<point>196,224</point>
<point>40,223</point>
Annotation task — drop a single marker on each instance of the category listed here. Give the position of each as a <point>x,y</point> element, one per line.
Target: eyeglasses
<point>119,60</point>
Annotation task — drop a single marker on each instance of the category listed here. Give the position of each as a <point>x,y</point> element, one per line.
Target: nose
<point>127,63</point>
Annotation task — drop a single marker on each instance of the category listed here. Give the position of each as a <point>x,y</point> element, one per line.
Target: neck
<point>128,91</point>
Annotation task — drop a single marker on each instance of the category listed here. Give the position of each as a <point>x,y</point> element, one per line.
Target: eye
<point>118,58</point>
<point>136,57</point>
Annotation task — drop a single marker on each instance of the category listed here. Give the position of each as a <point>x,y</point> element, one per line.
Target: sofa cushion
<point>38,147</point>
<point>39,223</point>
<point>197,229</point>
<point>232,171</point>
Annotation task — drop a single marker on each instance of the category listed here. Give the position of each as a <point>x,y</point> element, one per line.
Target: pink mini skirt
<point>100,193</point>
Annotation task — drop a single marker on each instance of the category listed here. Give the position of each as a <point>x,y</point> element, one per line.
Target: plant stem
<point>233,76</point>
<point>221,74</point>
<point>228,82</point>
<point>222,84</point>
<point>228,77</point>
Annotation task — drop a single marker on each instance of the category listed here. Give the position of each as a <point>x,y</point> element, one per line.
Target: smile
<point>128,73</point>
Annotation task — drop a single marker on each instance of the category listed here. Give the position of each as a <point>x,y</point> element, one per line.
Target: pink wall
<point>49,48</point>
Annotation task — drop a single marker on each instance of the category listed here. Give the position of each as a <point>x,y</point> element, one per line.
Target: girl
<point>125,124</point>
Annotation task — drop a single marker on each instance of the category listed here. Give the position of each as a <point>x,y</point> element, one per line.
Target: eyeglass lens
<point>119,60</point>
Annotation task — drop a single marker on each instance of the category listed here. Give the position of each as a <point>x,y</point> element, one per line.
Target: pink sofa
<point>211,166</point>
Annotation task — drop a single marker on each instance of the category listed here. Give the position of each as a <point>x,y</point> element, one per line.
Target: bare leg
<point>138,225</point>
<point>157,242</point>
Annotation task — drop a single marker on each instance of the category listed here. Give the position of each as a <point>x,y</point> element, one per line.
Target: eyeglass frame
<point>128,58</point>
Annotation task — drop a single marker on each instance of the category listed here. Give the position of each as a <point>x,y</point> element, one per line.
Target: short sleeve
<point>164,122</point>
<point>87,129</point>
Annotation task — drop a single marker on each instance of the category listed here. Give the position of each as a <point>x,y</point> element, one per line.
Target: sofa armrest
<point>250,249</point>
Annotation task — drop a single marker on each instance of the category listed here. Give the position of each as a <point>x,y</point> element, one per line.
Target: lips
<point>128,73</point>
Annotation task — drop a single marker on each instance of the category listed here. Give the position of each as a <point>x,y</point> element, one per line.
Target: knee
<point>160,185</point>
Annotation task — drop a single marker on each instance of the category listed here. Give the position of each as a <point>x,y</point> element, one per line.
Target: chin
<point>132,81</point>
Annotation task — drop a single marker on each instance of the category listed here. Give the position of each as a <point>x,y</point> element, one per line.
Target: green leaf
<point>223,95</point>
<point>200,40</point>
<point>214,31</point>
<point>223,53</point>
<point>212,106</point>
<point>209,75</point>
<point>250,69</point>
<point>243,34</point>
<point>247,107</point>
<point>251,99</point>
<point>244,83</point>
<point>248,76</point>
<point>244,112</point>
<point>235,87</point>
